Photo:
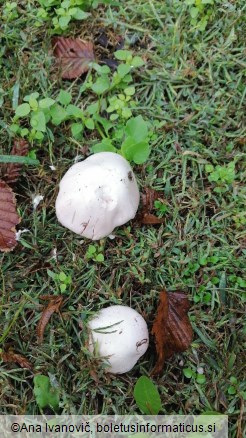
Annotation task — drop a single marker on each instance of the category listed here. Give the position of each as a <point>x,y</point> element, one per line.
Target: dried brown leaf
<point>172,329</point>
<point>11,356</point>
<point>73,56</point>
<point>149,198</point>
<point>8,218</point>
<point>151,219</point>
<point>145,215</point>
<point>11,171</point>
<point>53,306</point>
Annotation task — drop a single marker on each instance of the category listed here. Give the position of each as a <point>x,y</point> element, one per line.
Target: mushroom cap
<point>121,337</point>
<point>97,195</point>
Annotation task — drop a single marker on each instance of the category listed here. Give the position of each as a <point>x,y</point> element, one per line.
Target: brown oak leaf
<point>11,356</point>
<point>8,218</point>
<point>10,172</point>
<point>73,56</point>
<point>172,329</point>
<point>53,306</point>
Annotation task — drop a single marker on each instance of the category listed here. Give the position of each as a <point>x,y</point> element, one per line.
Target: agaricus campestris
<point>120,335</point>
<point>97,195</point>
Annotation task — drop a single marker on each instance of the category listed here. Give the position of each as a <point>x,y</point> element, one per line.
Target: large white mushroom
<point>120,335</point>
<point>97,195</point>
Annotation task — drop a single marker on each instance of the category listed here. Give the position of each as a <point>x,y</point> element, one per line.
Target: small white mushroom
<point>97,195</point>
<point>120,335</point>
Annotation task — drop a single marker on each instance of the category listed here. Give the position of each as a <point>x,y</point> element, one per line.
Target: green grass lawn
<point>191,90</point>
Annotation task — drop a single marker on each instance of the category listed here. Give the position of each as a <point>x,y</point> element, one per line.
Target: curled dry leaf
<point>148,199</point>
<point>11,356</point>
<point>11,171</point>
<point>145,215</point>
<point>53,306</point>
<point>172,329</point>
<point>8,218</point>
<point>73,56</point>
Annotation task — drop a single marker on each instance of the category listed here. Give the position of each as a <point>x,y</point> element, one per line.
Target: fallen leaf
<point>8,218</point>
<point>241,141</point>
<point>53,306</point>
<point>11,171</point>
<point>149,198</point>
<point>94,376</point>
<point>73,55</point>
<point>11,356</point>
<point>151,219</point>
<point>172,329</point>
<point>145,215</point>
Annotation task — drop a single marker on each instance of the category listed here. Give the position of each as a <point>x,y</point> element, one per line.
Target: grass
<point>193,84</point>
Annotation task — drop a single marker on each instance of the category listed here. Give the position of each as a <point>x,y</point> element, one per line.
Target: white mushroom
<point>120,335</point>
<point>97,195</point>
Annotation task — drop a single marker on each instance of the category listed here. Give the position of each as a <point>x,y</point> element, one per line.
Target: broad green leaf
<point>65,4</point>
<point>24,132</point>
<point>22,110</point>
<point>137,128</point>
<point>34,95</point>
<point>64,97</point>
<point>63,287</point>
<point>126,113</point>
<point>200,378</point>
<point>147,396</point>
<point>80,14</point>
<point>194,12</point>
<point>52,274</point>
<point>137,61</point>
<point>114,117</point>
<point>58,114</point>
<point>76,129</point>
<point>122,55</point>
<point>74,111</point>
<point>45,394</point>
<point>137,152</point>
<point>61,11</point>
<point>129,91</point>
<point>104,146</point>
<point>14,127</point>
<point>188,373</point>
<point>91,250</point>
<point>33,103</point>
<point>100,257</point>
<point>89,123</point>
<point>39,136</point>
<point>123,70</point>
<point>101,85</point>
<point>107,125</point>
<point>63,21</point>
<point>38,121</point>
<point>62,276</point>
<point>46,103</point>
<point>104,69</point>
<point>92,108</point>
